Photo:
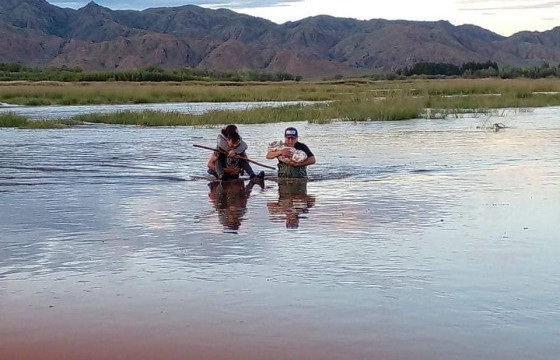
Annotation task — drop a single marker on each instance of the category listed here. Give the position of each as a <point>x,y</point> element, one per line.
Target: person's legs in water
<point>248,169</point>
<point>212,172</point>
<point>260,175</point>
<point>246,166</point>
<point>286,171</point>
<point>220,165</point>
<point>255,181</point>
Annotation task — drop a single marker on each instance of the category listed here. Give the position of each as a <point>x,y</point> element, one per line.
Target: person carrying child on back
<point>228,162</point>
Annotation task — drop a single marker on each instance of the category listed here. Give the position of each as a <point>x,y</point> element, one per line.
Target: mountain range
<point>34,32</point>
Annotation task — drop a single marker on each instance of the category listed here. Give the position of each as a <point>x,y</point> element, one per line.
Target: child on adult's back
<point>224,166</point>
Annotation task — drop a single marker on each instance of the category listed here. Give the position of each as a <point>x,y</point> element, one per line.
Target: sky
<point>504,17</point>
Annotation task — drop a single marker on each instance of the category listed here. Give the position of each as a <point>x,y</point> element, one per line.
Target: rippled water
<point>421,239</point>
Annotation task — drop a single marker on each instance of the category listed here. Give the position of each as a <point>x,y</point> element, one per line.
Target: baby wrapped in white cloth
<point>297,155</point>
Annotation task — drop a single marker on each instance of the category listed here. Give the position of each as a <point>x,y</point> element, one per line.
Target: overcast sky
<point>504,17</point>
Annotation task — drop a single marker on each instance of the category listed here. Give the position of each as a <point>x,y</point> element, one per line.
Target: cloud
<point>512,5</point>
<point>144,4</point>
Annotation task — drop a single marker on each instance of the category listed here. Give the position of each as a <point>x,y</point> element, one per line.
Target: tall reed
<point>356,109</point>
<point>11,120</point>
<point>356,100</point>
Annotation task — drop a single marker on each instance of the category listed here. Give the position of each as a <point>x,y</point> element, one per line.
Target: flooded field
<point>420,239</point>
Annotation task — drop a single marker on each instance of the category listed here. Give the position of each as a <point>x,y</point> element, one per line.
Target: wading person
<point>237,152</point>
<point>228,165</point>
<point>288,167</point>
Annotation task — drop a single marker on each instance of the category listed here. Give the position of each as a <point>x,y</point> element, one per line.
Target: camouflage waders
<point>287,171</point>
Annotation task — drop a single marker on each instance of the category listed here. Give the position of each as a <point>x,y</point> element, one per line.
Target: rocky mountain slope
<point>94,37</point>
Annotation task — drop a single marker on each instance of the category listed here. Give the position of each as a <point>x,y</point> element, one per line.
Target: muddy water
<point>421,239</point>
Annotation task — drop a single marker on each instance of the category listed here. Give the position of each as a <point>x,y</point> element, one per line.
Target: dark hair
<point>233,136</point>
<point>229,129</point>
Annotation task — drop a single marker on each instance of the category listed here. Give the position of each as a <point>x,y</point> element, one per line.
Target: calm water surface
<point>421,239</point>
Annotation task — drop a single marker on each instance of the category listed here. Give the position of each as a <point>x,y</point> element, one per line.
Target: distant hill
<point>34,32</point>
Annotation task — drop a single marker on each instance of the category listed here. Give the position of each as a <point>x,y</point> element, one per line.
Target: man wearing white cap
<point>287,167</point>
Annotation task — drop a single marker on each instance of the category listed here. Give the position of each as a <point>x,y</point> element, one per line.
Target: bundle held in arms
<point>297,155</point>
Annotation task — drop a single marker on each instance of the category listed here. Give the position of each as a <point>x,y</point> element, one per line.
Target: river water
<point>420,239</point>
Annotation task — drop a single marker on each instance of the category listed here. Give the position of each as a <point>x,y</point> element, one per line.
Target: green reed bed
<point>45,93</point>
<point>493,101</point>
<point>16,121</point>
<point>359,108</point>
<point>349,100</point>
<point>451,106</point>
<point>50,93</point>
<point>356,109</point>
<point>251,116</point>
<point>485,86</point>
<point>363,108</point>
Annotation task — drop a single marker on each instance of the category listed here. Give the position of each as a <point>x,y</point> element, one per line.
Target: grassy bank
<point>54,93</point>
<point>358,108</point>
<point>51,93</point>
<point>358,100</point>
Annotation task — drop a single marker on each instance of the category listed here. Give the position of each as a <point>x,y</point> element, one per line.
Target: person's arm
<point>310,157</point>
<point>274,154</point>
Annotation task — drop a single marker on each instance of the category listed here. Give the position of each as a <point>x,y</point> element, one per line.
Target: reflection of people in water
<point>292,202</point>
<point>230,200</point>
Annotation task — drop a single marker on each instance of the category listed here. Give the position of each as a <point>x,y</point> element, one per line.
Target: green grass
<point>47,93</point>
<point>358,109</point>
<point>351,100</point>
<point>158,118</point>
<point>52,93</point>
<point>10,120</point>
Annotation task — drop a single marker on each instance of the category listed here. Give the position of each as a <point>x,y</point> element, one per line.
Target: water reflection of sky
<point>433,229</point>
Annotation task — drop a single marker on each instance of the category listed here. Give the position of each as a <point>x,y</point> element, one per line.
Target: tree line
<point>14,71</point>
<point>480,70</point>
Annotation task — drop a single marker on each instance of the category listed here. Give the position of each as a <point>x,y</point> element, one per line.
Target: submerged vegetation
<point>350,100</point>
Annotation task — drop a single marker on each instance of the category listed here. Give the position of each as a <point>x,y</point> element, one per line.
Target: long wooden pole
<point>241,157</point>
